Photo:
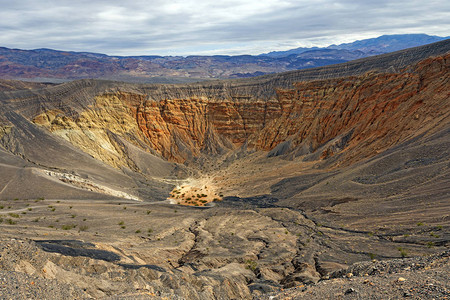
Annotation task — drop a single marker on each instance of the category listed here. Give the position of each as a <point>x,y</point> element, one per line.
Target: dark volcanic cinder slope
<point>52,167</point>
<point>318,170</point>
<point>11,85</point>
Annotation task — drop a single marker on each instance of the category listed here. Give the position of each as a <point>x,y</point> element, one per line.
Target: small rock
<point>401,279</point>
<point>406,294</point>
<point>350,291</point>
<point>349,275</point>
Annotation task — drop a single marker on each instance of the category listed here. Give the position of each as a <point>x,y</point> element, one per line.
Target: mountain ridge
<point>372,46</point>
<point>53,65</point>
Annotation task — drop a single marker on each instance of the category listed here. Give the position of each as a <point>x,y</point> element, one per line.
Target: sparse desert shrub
<point>2,207</point>
<point>121,222</point>
<point>403,252</point>
<point>434,235</point>
<point>123,227</point>
<point>30,209</point>
<point>430,244</point>
<point>73,216</point>
<point>53,209</point>
<point>138,231</point>
<point>14,215</point>
<point>67,227</point>
<point>419,224</point>
<point>150,230</point>
<point>372,256</point>
<point>1,220</point>
<point>36,220</point>
<point>83,228</point>
<point>251,265</point>
<point>188,198</point>
<point>148,212</point>
<point>11,222</point>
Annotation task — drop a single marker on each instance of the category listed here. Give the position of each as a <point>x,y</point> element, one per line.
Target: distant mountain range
<point>375,46</point>
<point>54,66</point>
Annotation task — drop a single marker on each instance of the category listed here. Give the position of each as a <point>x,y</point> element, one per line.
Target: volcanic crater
<point>230,189</point>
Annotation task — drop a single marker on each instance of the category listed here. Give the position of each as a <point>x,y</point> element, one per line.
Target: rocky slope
<point>299,158</point>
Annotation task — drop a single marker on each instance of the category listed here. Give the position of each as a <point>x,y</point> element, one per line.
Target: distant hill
<point>390,43</point>
<point>374,46</point>
<point>47,65</point>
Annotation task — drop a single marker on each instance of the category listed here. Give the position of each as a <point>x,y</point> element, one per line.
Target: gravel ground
<point>412,278</point>
<point>15,285</point>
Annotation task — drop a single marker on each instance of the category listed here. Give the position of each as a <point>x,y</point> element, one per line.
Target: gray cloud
<point>183,27</point>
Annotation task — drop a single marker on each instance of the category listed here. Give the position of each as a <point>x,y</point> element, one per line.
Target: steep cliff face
<point>356,116</point>
<point>98,130</point>
<point>368,113</point>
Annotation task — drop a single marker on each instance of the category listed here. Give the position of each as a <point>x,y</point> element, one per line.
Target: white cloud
<point>210,27</point>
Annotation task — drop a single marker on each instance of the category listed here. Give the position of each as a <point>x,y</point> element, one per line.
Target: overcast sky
<point>185,27</point>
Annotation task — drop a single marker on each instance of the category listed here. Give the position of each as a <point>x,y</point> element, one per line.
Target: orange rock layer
<point>375,111</point>
<point>355,117</point>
